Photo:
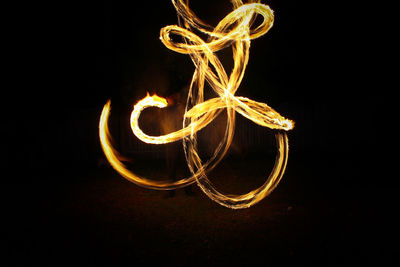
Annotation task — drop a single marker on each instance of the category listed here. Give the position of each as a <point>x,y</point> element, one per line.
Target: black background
<point>324,65</point>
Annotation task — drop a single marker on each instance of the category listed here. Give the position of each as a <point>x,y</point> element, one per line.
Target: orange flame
<point>234,30</point>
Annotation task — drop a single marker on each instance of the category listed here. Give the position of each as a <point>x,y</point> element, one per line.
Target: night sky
<point>320,65</point>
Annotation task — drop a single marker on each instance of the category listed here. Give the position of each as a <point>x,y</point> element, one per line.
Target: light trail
<point>234,30</point>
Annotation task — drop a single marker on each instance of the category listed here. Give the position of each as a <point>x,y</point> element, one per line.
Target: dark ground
<point>96,217</point>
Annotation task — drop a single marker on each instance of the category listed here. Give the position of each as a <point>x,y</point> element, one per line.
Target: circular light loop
<point>233,30</point>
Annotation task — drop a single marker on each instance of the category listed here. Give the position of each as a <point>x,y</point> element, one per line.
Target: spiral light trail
<point>234,30</point>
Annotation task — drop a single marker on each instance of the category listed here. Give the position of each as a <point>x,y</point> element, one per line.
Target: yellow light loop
<point>234,30</point>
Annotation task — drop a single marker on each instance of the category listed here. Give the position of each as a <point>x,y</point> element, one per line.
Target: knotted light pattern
<point>234,30</point>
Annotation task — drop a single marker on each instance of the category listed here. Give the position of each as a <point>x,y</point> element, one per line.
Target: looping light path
<point>234,30</point>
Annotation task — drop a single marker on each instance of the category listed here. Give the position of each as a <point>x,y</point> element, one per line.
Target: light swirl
<point>234,30</point>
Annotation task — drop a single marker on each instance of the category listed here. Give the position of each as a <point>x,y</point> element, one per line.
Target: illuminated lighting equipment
<point>234,30</point>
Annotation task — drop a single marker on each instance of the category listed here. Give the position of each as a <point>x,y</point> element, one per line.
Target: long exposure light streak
<point>234,30</point>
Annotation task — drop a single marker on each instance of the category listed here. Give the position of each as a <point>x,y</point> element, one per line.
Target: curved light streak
<point>234,30</point>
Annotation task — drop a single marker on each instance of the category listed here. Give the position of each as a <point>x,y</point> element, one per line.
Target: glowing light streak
<point>234,30</point>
